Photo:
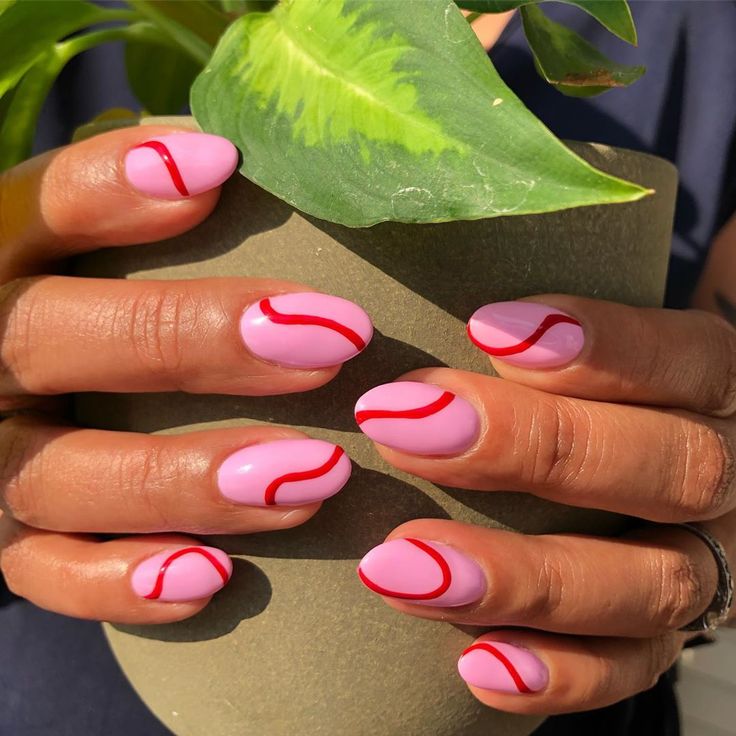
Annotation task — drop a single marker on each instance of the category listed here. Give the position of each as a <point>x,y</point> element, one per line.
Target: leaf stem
<point>19,126</point>
<point>185,39</point>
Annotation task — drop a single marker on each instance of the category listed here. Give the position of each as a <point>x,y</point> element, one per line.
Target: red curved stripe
<point>273,486</point>
<point>547,323</point>
<point>311,319</point>
<point>521,686</point>
<point>158,587</point>
<point>436,593</point>
<point>176,177</point>
<point>419,413</point>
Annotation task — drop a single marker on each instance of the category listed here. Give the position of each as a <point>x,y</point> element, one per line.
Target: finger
<point>221,481</point>
<point>641,585</point>
<point>136,580</point>
<point>529,672</point>
<point>605,351</point>
<point>655,464</point>
<point>63,335</point>
<point>118,188</point>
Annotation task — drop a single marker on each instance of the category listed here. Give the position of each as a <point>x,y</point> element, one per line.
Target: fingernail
<point>503,667</point>
<point>428,573</point>
<point>180,165</point>
<point>284,473</point>
<point>526,334</point>
<point>307,330</point>
<point>420,418</point>
<point>183,574</point>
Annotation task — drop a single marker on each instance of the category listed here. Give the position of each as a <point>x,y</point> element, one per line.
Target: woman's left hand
<point>601,406</point>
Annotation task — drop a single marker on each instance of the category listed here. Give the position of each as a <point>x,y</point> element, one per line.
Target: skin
<point>647,431</point>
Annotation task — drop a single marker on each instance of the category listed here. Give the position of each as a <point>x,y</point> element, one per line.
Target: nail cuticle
<point>305,330</point>
<point>503,667</point>
<point>287,472</point>
<point>418,418</point>
<point>527,334</point>
<point>182,574</point>
<point>423,572</point>
<point>180,165</point>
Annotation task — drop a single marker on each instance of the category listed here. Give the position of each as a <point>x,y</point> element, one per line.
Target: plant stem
<point>19,126</point>
<point>185,39</point>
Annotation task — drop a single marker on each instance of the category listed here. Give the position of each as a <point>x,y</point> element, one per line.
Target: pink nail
<point>307,330</point>
<point>526,334</point>
<point>428,573</point>
<point>183,574</point>
<point>181,164</point>
<point>284,473</point>
<point>420,418</point>
<point>503,667</point>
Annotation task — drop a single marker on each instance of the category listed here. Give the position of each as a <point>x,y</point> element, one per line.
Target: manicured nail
<point>181,164</point>
<point>420,418</point>
<point>184,574</point>
<point>503,667</point>
<point>526,334</point>
<point>307,330</point>
<point>428,573</point>
<point>284,473</point>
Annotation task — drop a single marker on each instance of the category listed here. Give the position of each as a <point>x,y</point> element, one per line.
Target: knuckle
<point>154,323</point>
<point>660,653</point>
<point>720,385</point>
<point>21,462</point>
<point>678,597</point>
<point>701,472</point>
<point>548,591</point>
<point>142,478</point>
<point>561,449</point>
<point>18,314</point>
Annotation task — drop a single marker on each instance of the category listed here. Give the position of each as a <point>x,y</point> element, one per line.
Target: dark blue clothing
<point>57,676</point>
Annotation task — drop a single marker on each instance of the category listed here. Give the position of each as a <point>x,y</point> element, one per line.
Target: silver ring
<point>717,612</point>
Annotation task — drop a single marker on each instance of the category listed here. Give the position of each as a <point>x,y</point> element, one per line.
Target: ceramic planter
<point>295,644</point>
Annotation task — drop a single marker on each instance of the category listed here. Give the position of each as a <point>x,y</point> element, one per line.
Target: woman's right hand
<point>59,485</point>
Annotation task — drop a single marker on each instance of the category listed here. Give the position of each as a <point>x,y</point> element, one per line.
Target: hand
<point>600,406</point>
<point>58,483</point>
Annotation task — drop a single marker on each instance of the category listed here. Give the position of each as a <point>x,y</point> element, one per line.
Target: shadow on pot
<point>246,595</point>
<point>328,407</point>
<point>374,504</point>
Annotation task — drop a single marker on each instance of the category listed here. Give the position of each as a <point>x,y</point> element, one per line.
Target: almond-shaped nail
<point>182,574</point>
<point>180,165</point>
<point>526,334</point>
<point>502,667</point>
<point>428,573</point>
<point>284,473</point>
<point>305,330</point>
<point>419,418</point>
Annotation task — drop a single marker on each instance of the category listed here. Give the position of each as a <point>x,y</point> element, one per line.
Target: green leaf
<point>167,91</point>
<point>568,61</point>
<point>361,111</point>
<point>27,29</point>
<point>615,15</point>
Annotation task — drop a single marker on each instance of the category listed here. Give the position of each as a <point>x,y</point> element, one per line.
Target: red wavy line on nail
<point>323,469</point>
<point>311,319</point>
<point>419,413</point>
<point>442,588</point>
<point>521,686</point>
<point>547,323</point>
<point>168,159</point>
<point>159,586</point>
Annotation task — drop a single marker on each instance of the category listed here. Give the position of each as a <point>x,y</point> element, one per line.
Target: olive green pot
<point>295,644</point>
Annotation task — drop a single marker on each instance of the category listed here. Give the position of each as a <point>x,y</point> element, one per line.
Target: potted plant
<point>383,157</point>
